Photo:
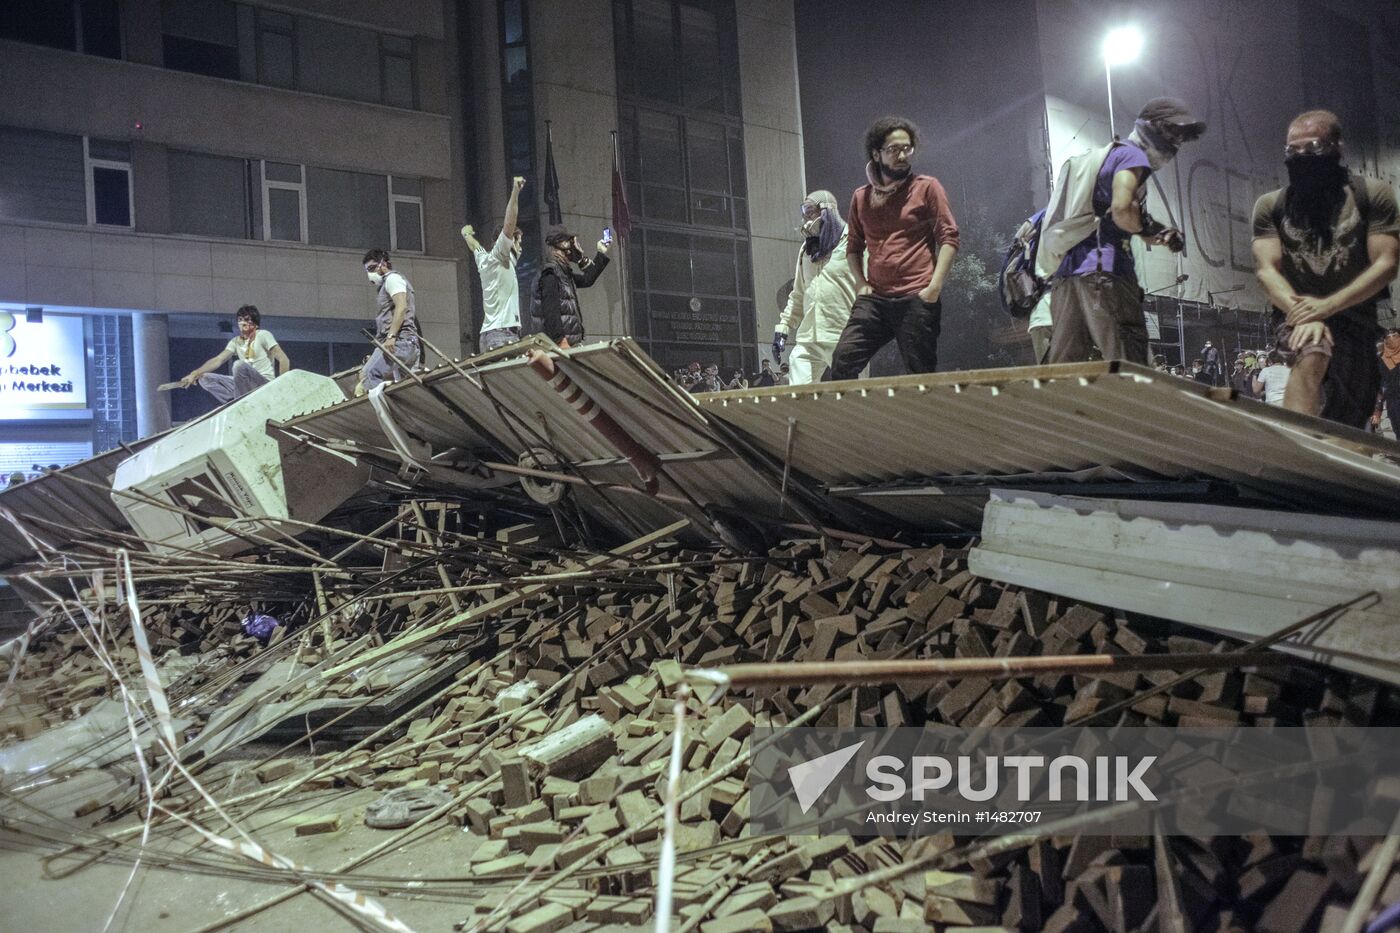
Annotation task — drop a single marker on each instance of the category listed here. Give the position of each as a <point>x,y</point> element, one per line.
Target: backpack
<point>1027,270</point>
<point>1019,288</point>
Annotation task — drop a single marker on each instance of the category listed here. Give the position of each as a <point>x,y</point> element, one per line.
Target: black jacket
<point>554,309</point>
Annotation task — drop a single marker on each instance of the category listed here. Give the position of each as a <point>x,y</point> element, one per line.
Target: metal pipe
<point>884,672</point>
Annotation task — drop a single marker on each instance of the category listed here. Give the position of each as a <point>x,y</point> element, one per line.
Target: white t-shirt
<point>1274,379</point>
<point>500,289</point>
<point>255,351</point>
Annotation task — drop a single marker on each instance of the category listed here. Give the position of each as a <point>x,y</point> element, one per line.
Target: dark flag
<point>551,178</point>
<point>621,213</point>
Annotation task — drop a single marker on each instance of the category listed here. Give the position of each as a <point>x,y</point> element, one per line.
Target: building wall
<point>572,57</point>
<point>156,109</point>
<point>773,150</point>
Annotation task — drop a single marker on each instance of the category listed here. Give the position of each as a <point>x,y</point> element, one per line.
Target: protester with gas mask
<point>395,326</point>
<point>823,291</point>
<point>1096,300</point>
<point>554,308</point>
<point>1326,248</point>
<point>904,222</point>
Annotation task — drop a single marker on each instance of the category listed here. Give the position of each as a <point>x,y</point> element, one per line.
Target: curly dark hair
<point>376,255</point>
<point>883,127</point>
<point>251,313</point>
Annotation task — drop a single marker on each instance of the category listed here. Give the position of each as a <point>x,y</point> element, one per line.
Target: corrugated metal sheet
<point>916,452</point>
<point>1247,573</point>
<point>955,431</point>
<point>63,498</point>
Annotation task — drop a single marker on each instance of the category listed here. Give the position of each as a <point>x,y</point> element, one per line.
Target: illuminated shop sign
<point>43,364</point>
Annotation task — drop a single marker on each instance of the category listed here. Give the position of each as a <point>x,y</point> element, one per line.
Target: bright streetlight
<point>1120,47</point>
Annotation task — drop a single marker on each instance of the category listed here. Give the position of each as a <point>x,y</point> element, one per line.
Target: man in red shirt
<point>905,224</point>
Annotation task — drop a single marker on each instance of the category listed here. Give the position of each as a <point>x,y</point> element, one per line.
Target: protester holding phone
<point>554,307</point>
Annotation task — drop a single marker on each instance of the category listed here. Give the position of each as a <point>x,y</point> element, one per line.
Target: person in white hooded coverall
<point>823,291</point>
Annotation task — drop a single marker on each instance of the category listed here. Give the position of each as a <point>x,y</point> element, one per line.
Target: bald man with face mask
<point>823,290</point>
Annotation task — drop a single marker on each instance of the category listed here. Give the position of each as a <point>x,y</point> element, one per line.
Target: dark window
<point>208,195</point>
<point>91,26</point>
<point>396,61</point>
<point>683,157</point>
<point>111,196</point>
<point>44,176</point>
<point>277,49</point>
<point>284,215</point>
<point>201,36</point>
<point>338,60</point>
<point>518,116</point>
<point>101,27</point>
<point>41,22</point>
<point>346,208</point>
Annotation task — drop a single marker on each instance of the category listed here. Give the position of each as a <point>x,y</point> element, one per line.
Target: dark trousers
<point>1354,376</point>
<point>875,321</point>
<point>1097,310</point>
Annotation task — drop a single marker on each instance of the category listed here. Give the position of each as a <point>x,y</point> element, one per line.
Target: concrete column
<point>150,346</point>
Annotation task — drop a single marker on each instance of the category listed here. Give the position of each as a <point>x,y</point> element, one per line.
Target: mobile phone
<point>607,234</point>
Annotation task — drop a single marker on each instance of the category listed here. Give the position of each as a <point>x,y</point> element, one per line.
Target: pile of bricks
<point>554,743</point>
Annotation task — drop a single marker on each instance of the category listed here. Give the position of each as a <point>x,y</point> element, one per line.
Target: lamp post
<point>1120,47</point>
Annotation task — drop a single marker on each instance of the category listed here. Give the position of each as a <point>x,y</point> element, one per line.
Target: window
<point>208,195</point>
<point>277,49</point>
<point>396,69</point>
<point>91,26</point>
<point>201,36</point>
<point>109,196</point>
<point>44,177</point>
<point>683,160</point>
<point>346,209</point>
<point>518,117</point>
<point>406,214</point>
<point>339,60</point>
<point>283,202</point>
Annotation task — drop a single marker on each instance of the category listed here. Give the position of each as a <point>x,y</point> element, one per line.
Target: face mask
<point>812,227</point>
<point>375,278</point>
<point>1159,148</point>
<point>1315,172</point>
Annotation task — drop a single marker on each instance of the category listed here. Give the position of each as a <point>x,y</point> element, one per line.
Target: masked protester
<point>1096,300</point>
<point>904,222</point>
<point>396,325</point>
<point>1325,248</point>
<point>823,291</point>
<point>554,308</point>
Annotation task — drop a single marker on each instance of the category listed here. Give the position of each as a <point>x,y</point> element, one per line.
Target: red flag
<point>621,213</point>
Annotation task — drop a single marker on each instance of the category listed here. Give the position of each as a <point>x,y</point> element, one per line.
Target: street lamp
<point>1120,47</point>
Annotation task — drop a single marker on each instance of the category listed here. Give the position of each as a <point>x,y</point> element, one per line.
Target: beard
<point>895,173</point>
<point>1316,189</point>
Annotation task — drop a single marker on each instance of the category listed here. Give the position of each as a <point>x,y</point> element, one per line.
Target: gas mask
<point>812,226</point>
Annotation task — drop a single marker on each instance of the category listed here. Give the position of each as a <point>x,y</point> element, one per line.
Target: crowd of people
<point>697,378</point>
<point>1264,375</point>
<point>1325,248</point>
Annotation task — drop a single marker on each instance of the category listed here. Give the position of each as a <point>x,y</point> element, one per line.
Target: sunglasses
<point>1310,148</point>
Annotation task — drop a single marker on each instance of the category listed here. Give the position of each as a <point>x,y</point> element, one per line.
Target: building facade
<point>703,97</point>
<point>168,162</point>
<point>172,160</point>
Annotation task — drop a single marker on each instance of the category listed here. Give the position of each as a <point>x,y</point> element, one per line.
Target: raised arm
<point>512,208</point>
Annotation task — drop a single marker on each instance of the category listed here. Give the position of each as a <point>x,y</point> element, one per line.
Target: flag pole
<point>627,323</point>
